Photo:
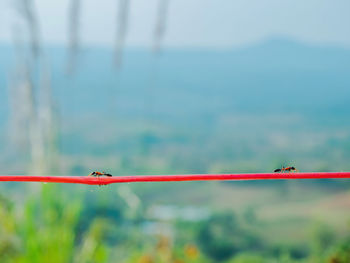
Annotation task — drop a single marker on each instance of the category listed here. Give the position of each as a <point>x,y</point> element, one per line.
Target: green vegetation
<point>60,225</point>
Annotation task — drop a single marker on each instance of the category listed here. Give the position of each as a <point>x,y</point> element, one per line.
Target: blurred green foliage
<point>221,237</point>
<point>57,225</point>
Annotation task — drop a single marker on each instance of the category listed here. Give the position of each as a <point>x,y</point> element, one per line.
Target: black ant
<point>286,169</point>
<point>98,174</point>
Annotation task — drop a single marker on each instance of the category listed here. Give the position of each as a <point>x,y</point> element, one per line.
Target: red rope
<point>169,178</point>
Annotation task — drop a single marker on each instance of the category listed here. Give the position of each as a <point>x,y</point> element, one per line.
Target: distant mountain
<point>278,75</point>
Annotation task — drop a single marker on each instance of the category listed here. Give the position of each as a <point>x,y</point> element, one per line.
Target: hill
<point>278,75</point>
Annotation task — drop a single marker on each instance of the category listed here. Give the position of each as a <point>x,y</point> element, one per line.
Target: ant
<point>98,174</point>
<point>286,169</point>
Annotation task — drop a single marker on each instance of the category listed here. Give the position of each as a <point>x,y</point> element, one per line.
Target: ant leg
<point>98,176</point>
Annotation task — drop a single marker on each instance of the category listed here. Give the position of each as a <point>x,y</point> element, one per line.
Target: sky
<point>192,23</point>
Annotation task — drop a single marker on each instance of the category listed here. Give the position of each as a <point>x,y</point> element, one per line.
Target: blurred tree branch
<point>122,28</point>
<point>160,27</point>
<point>74,24</point>
<point>27,10</point>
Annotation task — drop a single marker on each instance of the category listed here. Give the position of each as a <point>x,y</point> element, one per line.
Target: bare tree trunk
<point>47,116</point>
<point>32,107</point>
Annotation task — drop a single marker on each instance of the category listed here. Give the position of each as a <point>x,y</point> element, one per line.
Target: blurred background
<point>166,87</point>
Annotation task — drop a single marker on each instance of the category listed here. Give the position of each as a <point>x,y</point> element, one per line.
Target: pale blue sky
<point>196,23</point>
